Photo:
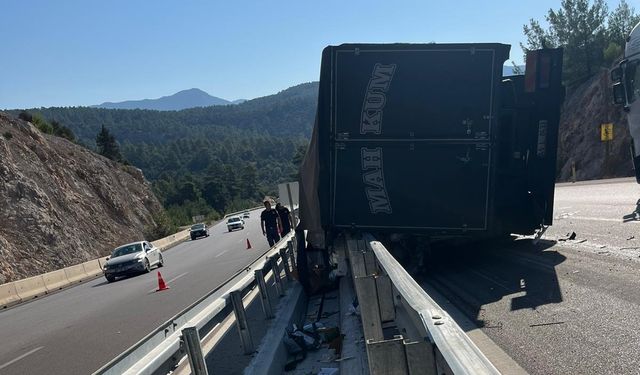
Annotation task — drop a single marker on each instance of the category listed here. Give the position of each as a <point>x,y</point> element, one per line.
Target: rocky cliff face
<point>61,204</point>
<point>585,108</point>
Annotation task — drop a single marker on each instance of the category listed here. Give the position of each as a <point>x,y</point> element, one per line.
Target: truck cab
<point>626,91</point>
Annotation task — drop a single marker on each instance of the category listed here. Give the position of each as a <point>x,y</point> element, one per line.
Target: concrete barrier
<point>9,295</point>
<point>55,280</point>
<point>75,273</point>
<point>170,241</point>
<point>30,287</point>
<point>25,289</point>
<point>92,268</point>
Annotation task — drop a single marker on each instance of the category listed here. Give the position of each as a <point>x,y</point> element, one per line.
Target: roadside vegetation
<point>592,36</point>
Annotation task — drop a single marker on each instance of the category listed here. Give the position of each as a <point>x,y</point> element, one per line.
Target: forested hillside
<point>206,160</point>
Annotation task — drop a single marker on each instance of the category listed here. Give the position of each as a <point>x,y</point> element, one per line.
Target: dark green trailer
<point>432,139</point>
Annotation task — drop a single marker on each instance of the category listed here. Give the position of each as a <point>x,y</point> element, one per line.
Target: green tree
<point>62,131</point>
<point>107,145</point>
<point>297,159</point>
<point>43,125</point>
<point>621,21</point>
<point>579,26</point>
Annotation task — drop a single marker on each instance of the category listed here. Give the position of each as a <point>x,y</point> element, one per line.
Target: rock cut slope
<point>61,204</point>
<point>586,107</point>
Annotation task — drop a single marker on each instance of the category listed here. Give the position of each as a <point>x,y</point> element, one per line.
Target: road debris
<point>570,236</point>
<point>545,324</point>
<point>631,238</point>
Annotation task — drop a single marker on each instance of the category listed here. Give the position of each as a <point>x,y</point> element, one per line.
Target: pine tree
<point>579,27</point>
<point>107,145</point>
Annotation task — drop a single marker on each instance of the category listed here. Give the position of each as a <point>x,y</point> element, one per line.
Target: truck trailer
<point>626,91</point>
<point>432,140</point>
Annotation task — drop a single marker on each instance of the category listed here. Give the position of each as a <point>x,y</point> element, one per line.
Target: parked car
<point>235,222</point>
<point>133,258</point>
<point>198,230</point>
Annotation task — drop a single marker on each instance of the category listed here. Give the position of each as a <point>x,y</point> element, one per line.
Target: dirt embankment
<point>61,204</point>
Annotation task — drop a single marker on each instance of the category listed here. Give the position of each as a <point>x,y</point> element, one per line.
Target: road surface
<point>79,329</point>
<point>558,306</point>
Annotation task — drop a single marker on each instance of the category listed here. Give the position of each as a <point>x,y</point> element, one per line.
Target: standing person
<point>270,223</point>
<point>285,218</point>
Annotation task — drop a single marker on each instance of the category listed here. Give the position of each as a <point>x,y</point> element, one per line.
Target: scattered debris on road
<point>545,324</point>
<point>570,236</point>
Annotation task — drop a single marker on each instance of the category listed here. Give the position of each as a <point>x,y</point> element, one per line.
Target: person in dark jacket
<point>270,223</point>
<point>285,218</point>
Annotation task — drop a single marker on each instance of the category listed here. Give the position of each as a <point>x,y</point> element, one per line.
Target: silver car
<point>133,258</point>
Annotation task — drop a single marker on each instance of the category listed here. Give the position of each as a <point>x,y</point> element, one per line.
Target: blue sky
<point>70,53</point>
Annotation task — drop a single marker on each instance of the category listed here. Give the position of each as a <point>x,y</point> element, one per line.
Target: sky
<point>78,53</point>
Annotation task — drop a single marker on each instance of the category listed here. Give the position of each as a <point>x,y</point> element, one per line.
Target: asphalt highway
<point>79,329</point>
<point>558,306</point>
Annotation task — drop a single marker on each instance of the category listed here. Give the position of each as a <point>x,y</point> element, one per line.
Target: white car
<point>235,222</point>
<point>133,258</point>
<point>246,215</point>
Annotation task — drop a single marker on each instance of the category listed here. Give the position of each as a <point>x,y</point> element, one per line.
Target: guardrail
<point>431,341</point>
<point>162,349</point>
<point>29,288</point>
<point>239,212</point>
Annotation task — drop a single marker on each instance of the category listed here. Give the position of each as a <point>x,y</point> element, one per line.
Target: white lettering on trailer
<point>375,98</point>
<point>542,139</point>
<point>373,178</point>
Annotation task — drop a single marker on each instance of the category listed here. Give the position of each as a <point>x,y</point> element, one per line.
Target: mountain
<point>183,99</point>
<point>207,160</point>
<point>289,113</point>
<point>63,204</point>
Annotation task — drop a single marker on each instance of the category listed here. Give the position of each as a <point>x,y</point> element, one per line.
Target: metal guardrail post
<point>453,350</point>
<point>292,253</point>
<point>191,340</point>
<point>264,294</point>
<point>241,322</point>
<point>420,358</point>
<point>276,275</point>
<point>387,357</point>
<point>369,311</point>
<point>385,298</point>
<point>370,263</point>
<point>285,263</point>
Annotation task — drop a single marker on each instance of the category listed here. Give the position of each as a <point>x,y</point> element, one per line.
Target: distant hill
<point>181,100</point>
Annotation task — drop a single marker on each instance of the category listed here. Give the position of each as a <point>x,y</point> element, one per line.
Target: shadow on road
<point>474,275</point>
<point>634,216</point>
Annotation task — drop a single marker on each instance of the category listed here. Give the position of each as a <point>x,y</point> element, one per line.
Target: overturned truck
<point>431,140</point>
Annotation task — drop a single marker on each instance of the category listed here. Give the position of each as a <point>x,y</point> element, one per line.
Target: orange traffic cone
<point>248,244</point>
<point>161,285</point>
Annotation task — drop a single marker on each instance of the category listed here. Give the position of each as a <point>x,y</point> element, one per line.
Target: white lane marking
<point>596,219</point>
<point>177,277</point>
<point>171,280</point>
<point>20,357</point>
<point>221,253</point>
